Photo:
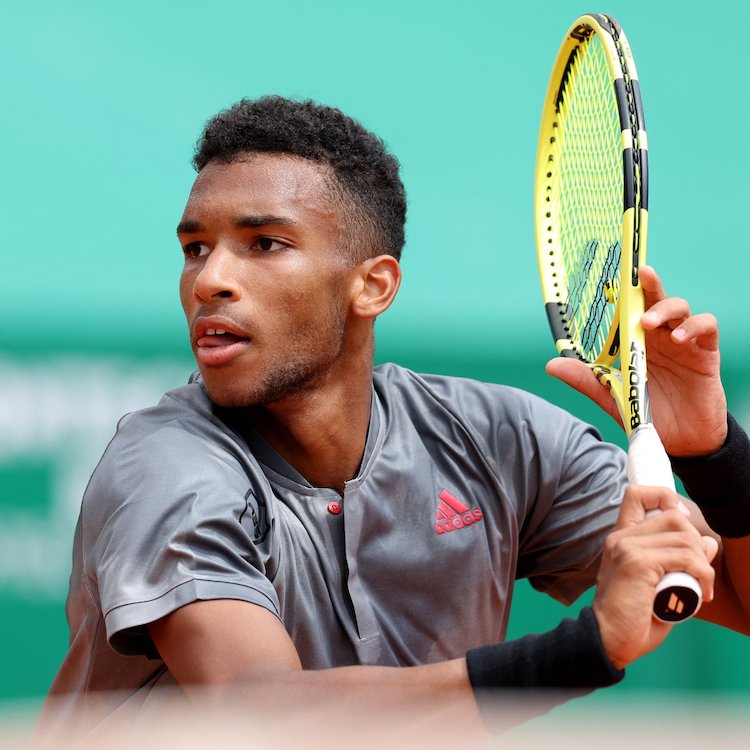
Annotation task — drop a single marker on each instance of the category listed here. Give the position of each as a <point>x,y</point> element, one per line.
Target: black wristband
<point>719,483</point>
<point>569,657</point>
<point>563,663</point>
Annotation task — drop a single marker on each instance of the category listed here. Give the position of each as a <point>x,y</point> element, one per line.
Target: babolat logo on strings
<point>635,368</point>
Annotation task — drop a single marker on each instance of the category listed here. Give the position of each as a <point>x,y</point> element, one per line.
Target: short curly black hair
<point>366,176</point>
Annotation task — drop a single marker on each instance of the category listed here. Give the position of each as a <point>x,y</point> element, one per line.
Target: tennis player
<point>302,526</point>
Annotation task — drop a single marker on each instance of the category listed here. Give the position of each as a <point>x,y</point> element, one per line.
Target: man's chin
<point>228,396</point>
<point>281,385</point>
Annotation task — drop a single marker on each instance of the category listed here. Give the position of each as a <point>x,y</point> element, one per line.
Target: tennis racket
<point>591,212</point>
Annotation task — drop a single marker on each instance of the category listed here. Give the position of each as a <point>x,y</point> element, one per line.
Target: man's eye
<point>268,244</point>
<point>195,249</point>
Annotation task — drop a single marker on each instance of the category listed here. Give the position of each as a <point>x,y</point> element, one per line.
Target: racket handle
<point>678,595</point>
<point>648,463</point>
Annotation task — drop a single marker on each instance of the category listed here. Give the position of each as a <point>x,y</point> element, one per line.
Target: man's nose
<point>217,278</point>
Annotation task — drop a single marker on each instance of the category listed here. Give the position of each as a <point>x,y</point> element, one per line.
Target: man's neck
<point>321,433</point>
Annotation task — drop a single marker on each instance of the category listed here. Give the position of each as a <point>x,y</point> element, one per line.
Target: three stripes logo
<point>453,514</point>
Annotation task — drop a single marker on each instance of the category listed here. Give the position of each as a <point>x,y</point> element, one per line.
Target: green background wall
<point>101,104</point>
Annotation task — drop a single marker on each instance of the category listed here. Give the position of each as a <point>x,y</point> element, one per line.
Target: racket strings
<point>601,305</point>
<point>589,197</point>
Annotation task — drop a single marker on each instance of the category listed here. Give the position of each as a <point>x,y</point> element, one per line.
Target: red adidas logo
<point>452,514</point>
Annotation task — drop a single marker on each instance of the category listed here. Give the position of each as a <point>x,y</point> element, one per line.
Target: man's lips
<point>217,343</point>
<point>219,338</point>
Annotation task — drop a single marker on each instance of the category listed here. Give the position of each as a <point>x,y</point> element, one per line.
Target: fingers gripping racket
<point>591,208</point>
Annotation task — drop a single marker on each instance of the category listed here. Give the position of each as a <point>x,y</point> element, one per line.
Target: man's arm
<point>245,647</point>
<point>731,604</point>
<point>238,656</point>
<point>242,651</point>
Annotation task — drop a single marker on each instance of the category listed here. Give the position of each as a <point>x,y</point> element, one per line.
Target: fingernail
<point>683,508</point>
<point>680,334</point>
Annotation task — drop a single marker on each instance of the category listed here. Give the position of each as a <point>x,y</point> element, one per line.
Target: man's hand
<point>687,397</point>
<point>637,554</point>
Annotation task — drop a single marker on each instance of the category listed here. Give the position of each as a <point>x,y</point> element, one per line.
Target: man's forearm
<point>493,688</point>
<point>719,483</point>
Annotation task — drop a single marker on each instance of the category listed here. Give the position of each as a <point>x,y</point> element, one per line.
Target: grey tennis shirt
<point>463,488</point>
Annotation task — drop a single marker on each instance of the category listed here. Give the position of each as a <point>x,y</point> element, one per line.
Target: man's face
<point>264,286</point>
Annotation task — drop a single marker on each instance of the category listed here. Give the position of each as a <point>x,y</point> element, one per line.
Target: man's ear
<point>374,287</point>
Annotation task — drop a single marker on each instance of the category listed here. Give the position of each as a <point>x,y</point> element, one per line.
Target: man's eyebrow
<point>191,226</point>
<point>263,220</point>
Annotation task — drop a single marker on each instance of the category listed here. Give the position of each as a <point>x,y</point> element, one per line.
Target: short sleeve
<point>164,524</point>
<point>569,500</point>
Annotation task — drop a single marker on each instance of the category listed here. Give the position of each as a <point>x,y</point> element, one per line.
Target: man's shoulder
<point>184,427</point>
<point>459,394</point>
<point>492,414</point>
<point>171,450</point>
<point>186,404</point>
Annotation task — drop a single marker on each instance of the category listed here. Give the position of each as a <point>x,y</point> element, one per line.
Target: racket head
<point>591,206</point>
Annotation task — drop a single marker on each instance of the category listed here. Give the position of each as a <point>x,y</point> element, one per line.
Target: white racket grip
<point>648,463</point>
<point>678,595</point>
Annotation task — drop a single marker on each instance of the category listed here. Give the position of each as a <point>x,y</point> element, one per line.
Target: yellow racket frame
<point>625,339</point>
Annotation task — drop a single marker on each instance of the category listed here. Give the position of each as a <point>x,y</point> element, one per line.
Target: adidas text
<point>458,522</point>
